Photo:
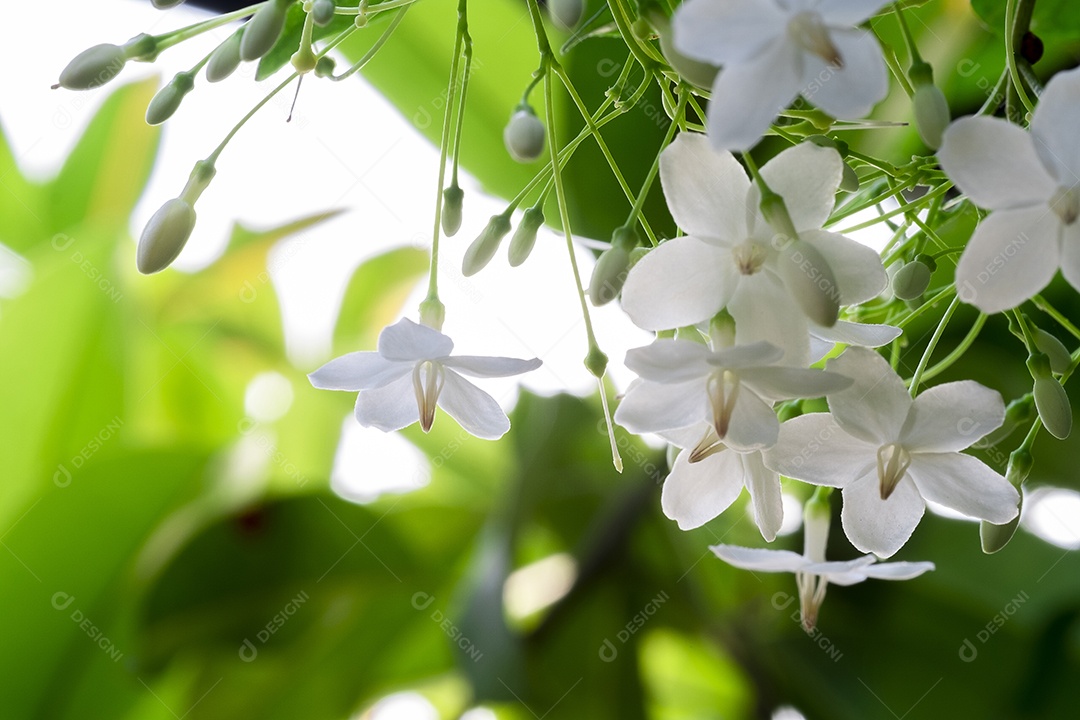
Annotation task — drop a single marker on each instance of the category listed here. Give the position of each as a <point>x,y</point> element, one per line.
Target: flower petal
<point>475,410</point>
<point>764,487</point>
<point>1012,176</point>
<point>682,282</point>
<point>485,366</point>
<point>655,407</point>
<point>859,273</point>
<point>705,189</point>
<point>760,559</point>
<point>842,572</point>
<point>388,408</point>
<point>695,493</point>
<point>406,340</point>
<point>951,417</point>
<point>764,311</point>
<point>880,526</point>
<point>876,406</point>
<point>849,12</point>
<point>358,371</point>
<point>753,424</point>
<point>898,570</point>
<point>669,361</point>
<point>807,177</point>
<point>747,97</point>
<point>726,32</point>
<point>746,356</point>
<point>1070,254</point>
<point>784,383</point>
<point>1012,255</point>
<point>965,484</point>
<point>849,92</point>
<point>853,333</point>
<point>1053,127</point>
<point>813,448</point>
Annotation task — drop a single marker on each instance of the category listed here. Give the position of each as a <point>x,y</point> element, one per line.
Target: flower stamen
<point>427,384</point>
<point>723,390</point>
<point>892,464</point>
<point>707,446</point>
<point>808,32</point>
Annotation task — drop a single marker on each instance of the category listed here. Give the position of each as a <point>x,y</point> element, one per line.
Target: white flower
<point>707,478</point>
<point>772,51</point>
<point>733,389</point>
<point>411,372</point>
<point>812,573</point>
<point>890,453</point>
<point>823,339</point>
<point>730,255</point>
<point>1030,183</point>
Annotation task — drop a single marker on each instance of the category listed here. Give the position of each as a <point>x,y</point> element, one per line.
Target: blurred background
<point>190,530</point>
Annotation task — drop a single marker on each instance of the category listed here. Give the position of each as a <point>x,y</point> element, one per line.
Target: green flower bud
<point>524,135</point>
<point>165,236</point>
<point>596,362</point>
<point>325,67</point>
<point>93,67</point>
<point>566,13</point>
<point>849,180</point>
<point>303,60</point>
<point>483,247</point>
<point>225,59</point>
<point>263,30</point>
<point>163,4</point>
<point>167,100</point>
<point>613,265</point>
<point>453,197</point>
<point>810,280</point>
<point>521,244</point>
<point>698,73</point>
<point>995,537</point>
<point>636,254</point>
<point>1053,406</point>
<point>432,313</point>
<point>1059,356</point>
<point>1020,411</point>
<point>931,114</point>
<point>911,281</point>
<point>322,12</point>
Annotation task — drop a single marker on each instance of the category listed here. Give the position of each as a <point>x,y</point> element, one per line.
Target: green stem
<point>461,106</point>
<point>1017,20</point>
<point>959,350</point>
<point>635,211</point>
<point>622,21</point>
<point>174,37</point>
<point>374,48</point>
<point>932,345</point>
<point>1046,307</point>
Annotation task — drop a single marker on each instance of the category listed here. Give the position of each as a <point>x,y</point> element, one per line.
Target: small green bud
<point>566,13</point>
<point>995,537</point>
<point>303,60</point>
<point>613,265</point>
<point>263,30</point>
<point>322,12</point>
<point>432,313</point>
<point>911,281</point>
<point>932,114</point>
<point>1020,464</point>
<point>636,254</point>
<point>524,238</point>
<point>453,198</point>
<point>524,135</point>
<point>225,59</point>
<point>776,214</point>
<point>921,74</point>
<point>1055,351</point>
<point>325,67</point>
<point>849,179</point>
<point>93,67</point>
<point>165,236</point>
<point>167,100</point>
<point>361,20</point>
<point>810,280</point>
<point>1053,405</point>
<point>1038,364</point>
<point>596,362</point>
<point>483,247</point>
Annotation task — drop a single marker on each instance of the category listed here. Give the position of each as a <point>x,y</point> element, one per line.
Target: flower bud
<point>93,67</point>
<point>1053,405</point>
<point>911,281</point>
<point>304,60</point>
<point>325,67</point>
<point>483,247</point>
<point>524,135</point>
<point>566,13</point>
<point>817,515</point>
<point>225,59</point>
<point>165,236</point>
<point>596,362</point>
<point>931,114</point>
<point>524,238</point>
<point>995,537</point>
<point>322,12</point>
<point>168,99</point>
<point>1059,356</point>
<point>432,313</point>
<point>810,280</point>
<point>609,273</point>
<point>263,30</point>
<point>453,197</point>
<point>163,4</point>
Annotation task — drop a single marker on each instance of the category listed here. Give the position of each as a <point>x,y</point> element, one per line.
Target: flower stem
<point>932,345</point>
<point>1017,21</point>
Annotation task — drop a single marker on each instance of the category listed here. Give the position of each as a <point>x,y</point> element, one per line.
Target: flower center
<point>749,257</point>
<point>723,390</point>
<point>428,379</point>
<point>811,595</point>
<point>1066,204</point>
<point>808,32</point>
<point>892,463</point>
<point>708,445</point>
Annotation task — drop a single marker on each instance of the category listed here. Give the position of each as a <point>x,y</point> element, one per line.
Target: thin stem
<point>459,123</point>
<point>635,211</point>
<point>1017,19</point>
<point>959,350</point>
<point>174,37</point>
<point>1046,307</point>
<point>932,345</point>
<point>374,48</point>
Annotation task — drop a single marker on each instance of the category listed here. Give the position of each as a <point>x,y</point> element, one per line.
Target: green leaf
<point>1051,18</point>
<point>374,296</point>
<point>21,203</point>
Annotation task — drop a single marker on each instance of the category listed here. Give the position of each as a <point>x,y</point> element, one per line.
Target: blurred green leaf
<point>21,203</point>
<point>374,296</point>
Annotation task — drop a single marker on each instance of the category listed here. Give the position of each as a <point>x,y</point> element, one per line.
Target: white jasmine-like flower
<point>812,573</point>
<point>1031,183</point>
<point>730,256</point>
<point>890,453</point>
<point>411,372</point>
<point>707,477</point>
<point>771,51</point>
<point>823,339</point>
<point>733,389</point>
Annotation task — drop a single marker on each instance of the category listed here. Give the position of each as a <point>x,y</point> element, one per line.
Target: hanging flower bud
<point>165,236</point>
<point>483,247</point>
<point>995,537</point>
<point>93,67</point>
<point>325,67</point>
<point>304,60</point>
<point>1059,356</point>
<point>810,280</point>
<point>1051,401</point>
<point>612,267</point>
<point>263,30</point>
<point>596,362</point>
<point>453,198</point>
<point>432,313</point>
<point>524,238</point>
<point>931,114</point>
<point>911,281</point>
<point>168,99</point>
<point>225,59</point>
<point>566,13</point>
<point>322,12</point>
<point>524,135</point>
